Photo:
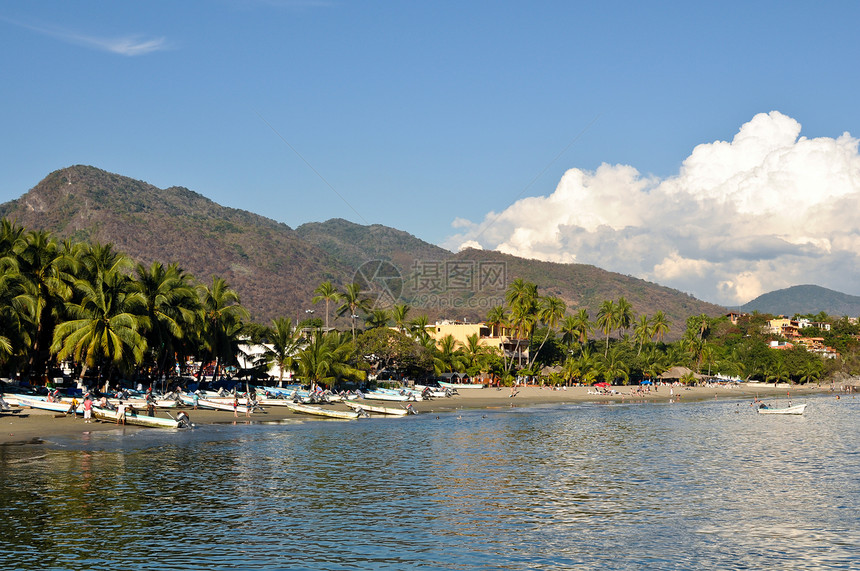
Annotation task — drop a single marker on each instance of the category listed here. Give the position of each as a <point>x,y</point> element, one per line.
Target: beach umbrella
<point>601,384</point>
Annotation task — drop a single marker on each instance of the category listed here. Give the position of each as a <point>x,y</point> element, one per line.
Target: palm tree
<point>352,303</point>
<point>418,327</point>
<point>326,359</point>
<point>105,323</point>
<point>614,366</point>
<point>811,372</point>
<point>44,287</point>
<point>172,306</point>
<point>606,320</point>
<point>623,315</point>
<point>495,318</point>
<point>551,311</point>
<point>284,343</point>
<point>474,354</point>
<point>222,322</point>
<point>399,313</point>
<point>643,332</point>
<point>328,293</point>
<point>446,359</point>
<point>378,319</point>
<point>660,325</point>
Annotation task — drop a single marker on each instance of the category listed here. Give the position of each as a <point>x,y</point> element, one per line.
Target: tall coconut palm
<point>642,332</point>
<point>551,310</point>
<point>353,302</point>
<point>660,325</point>
<point>496,316</point>
<point>44,287</point>
<point>105,325</point>
<point>606,320</point>
<point>283,347</point>
<point>172,306</point>
<point>623,315</point>
<point>328,293</point>
<point>221,322</point>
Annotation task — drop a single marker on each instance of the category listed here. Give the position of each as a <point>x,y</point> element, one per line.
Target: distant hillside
<point>275,268</point>
<point>804,299</point>
<point>583,286</point>
<point>272,268</point>
<point>353,244</point>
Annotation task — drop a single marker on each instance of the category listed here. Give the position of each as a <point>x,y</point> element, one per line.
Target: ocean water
<point>636,486</point>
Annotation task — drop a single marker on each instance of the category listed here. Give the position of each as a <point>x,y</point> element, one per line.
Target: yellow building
<point>461,330</point>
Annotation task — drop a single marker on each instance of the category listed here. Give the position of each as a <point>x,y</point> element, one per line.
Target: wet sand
<point>32,426</point>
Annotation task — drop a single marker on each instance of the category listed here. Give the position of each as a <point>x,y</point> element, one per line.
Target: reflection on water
<point>670,486</point>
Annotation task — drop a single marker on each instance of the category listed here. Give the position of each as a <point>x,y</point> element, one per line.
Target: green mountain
<point>353,244</point>
<point>805,299</point>
<point>275,268</point>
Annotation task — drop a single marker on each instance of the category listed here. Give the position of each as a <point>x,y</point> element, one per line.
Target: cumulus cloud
<point>767,210</point>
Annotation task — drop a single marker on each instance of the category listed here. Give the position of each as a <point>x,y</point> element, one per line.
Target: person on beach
<point>120,413</point>
<point>73,408</point>
<point>196,399</point>
<point>88,408</point>
<point>236,407</point>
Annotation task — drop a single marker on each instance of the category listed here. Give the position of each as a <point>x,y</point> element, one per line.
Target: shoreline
<point>33,426</point>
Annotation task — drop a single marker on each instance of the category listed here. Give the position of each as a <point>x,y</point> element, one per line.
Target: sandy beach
<point>32,426</point>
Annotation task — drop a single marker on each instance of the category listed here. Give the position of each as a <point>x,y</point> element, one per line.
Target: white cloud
<point>765,211</point>
<point>130,45</point>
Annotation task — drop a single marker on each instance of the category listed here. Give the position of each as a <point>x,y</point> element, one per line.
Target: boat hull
<point>798,409</point>
<point>317,411</point>
<point>135,419</point>
<point>379,409</point>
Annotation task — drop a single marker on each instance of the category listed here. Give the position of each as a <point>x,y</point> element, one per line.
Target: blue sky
<point>417,115</point>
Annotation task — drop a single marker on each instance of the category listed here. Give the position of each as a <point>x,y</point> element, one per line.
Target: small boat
<point>389,396</point>
<point>42,403</point>
<point>458,386</point>
<point>317,411</point>
<point>381,409</point>
<point>225,404</point>
<point>136,419</point>
<point>796,409</point>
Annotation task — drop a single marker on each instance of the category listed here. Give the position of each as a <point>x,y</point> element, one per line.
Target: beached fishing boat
<point>132,417</point>
<point>210,404</point>
<point>317,411</point>
<point>458,386</point>
<point>796,409</point>
<point>43,404</point>
<point>378,395</point>
<point>357,405</point>
<point>434,392</point>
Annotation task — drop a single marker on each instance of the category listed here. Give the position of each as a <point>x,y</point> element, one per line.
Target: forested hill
<point>275,268</point>
<point>805,300</point>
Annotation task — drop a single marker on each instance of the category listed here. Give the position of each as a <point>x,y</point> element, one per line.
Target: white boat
<point>43,404</point>
<point>377,395</point>
<point>317,411</point>
<point>458,386</point>
<point>381,409</point>
<point>796,409</point>
<point>135,418</point>
<point>226,404</point>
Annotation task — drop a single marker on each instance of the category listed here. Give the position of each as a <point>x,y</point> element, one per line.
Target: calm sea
<point>638,486</point>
